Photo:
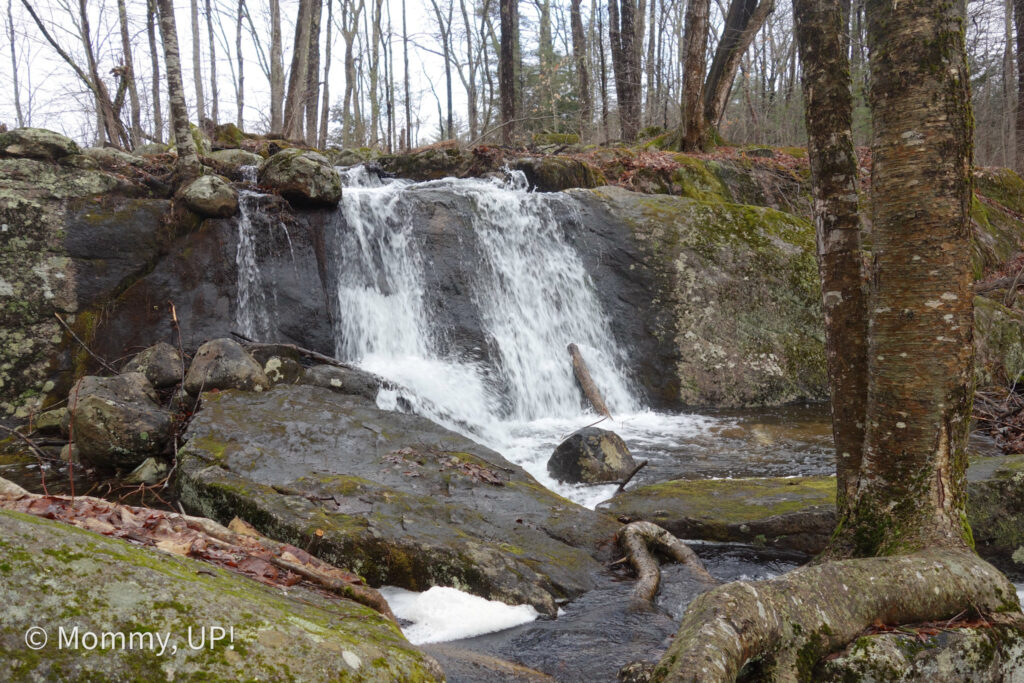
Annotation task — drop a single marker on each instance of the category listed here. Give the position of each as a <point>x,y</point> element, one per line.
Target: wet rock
<point>51,422</point>
<point>554,173</point>
<point>211,196</point>
<point>954,656</point>
<point>799,512</point>
<point>149,472</point>
<point>591,455</point>
<point>399,499</point>
<point>160,363</point>
<point>303,178</point>
<point>224,364</point>
<point>108,585</point>
<point>116,421</point>
<point>343,380</point>
<point>36,143</point>
<point>235,158</point>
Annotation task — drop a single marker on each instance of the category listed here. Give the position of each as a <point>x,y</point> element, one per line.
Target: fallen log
<point>590,391</point>
<point>636,539</point>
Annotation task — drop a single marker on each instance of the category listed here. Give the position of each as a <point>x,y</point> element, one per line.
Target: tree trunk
<point>579,54</point>
<point>471,66</point>
<point>312,90</point>
<point>1018,20</point>
<point>14,67</point>
<point>604,80</point>
<point>188,160</point>
<point>276,70</point>
<point>622,32</point>
<point>408,97</point>
<point>197,65</point>
<point>325,109</point>
<point>698,13</point>
<point>506,69</point>
<point>820,31</point>
<point>590,390</point>
<point>158,118</point>
<point>650,108</point>
<point>240,91</point>
<point>921,348</point>
<point>374,74</point>
<point>295,102</point>
<point>214,94</point>
<point>129,74</point>
<point>745,19</point>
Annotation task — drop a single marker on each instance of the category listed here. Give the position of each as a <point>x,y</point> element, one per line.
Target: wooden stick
<point>579,368</point>
<point>84,345</point>
<point>630,476</point>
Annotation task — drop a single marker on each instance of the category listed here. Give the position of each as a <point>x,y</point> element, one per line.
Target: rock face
<point>343,380</point>
<point>160,363</point>
<point>36,143</point>
<point>211,196</point>
<point>116,421</point>
<point>394,497</point>
<point>591,455</point>
<point>303,178</point>
<point>56,576</point>
<point>224,364</point>
<point>799,512</point>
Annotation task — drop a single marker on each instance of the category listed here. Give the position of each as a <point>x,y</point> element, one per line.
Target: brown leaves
<point>239,547</point>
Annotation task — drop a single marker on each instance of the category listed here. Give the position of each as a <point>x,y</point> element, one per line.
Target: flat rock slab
<point>56,576</point>
<point>394,497</point>
<point>799,512</point>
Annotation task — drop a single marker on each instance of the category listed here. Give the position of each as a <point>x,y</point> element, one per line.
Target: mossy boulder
<point>724,298</point>
<point>392,496</point>
<point>160,363</point>
<point>301,177</point>
<point>962,655</point>
<point>36,143</point>
<point>227,136</point>
<point>998,342</point>
<point>224,364</point>
<point>236,158</point>
<point>591,455</point>
<point>555,173</point>
<point>57,577</point>
<point>116,421</point>
<point>799,512</point>
<point>211,196</point>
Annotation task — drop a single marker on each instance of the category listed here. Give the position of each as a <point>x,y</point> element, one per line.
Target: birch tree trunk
<point>828,103</point>
<point>188,160</point>
<point>197,65</point>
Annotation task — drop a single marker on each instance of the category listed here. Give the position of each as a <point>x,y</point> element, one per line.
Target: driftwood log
<point>637,538</point>
<point>579,368</point>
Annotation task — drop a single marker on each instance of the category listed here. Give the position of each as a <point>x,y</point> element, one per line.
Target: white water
<point>252,316</point>
<point>441,614</point>
<point>533,297</point>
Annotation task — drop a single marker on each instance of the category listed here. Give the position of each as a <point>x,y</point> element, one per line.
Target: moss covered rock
<point>555,173</point>
<point>36,143</point>
<point>394,497</point>
<point>301,177</point>
<point>59,577</point>
<point>211,196</point>
<point>998,342</point>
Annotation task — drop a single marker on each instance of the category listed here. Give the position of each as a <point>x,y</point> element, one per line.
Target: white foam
<point>442,614</point>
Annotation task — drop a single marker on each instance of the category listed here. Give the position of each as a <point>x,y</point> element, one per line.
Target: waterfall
<point>252,316</point>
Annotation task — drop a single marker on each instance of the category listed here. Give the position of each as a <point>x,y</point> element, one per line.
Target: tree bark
<point>197,65</point>
<point>579,54</point>
<point>800,617</point>
<point>325,109</point>
<point>636,538</point>
<point>590,390</point>
<point>188,160</point>
<point>828,104</point>
<point>623,26</point>
<point>698,17</point>
<point>745,19</point>
<point>14,67</point>
<point>240,92</point>
<point>276,70</point>
<point>295,102</point>
<point>214,94</point>
<point>1018,20</point>
<point>311,94</point>
<point>509,10</point>
<point>158,118</point>
<point>129,74</point>
<point>408,97</point>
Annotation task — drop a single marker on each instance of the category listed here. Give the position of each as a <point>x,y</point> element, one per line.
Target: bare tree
<point>626,35</point>
<point>295,102</point>
<point>698,21</point>
<point>579,51</point>
<point>197,64</point>
<point>158,119</point>
<point>128,74</point>
<point>276,69</point>
<point>506,69</point>
<point>214,95</point>
<point>14,67</point>
<point>188,165</point>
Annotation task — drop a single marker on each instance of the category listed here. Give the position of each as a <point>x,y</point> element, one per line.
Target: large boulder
<point>111,157</point>
<point>392,496</point>
<point>160,363</point>
<point>589,456</point>
<point>212,196</point>
<point>301,177</point>
<point>555,173</point>
<point>236,158</point>
<point>224,364</point>
<point>116,421</point>
<point>36,143</point>
<point>58,577</point>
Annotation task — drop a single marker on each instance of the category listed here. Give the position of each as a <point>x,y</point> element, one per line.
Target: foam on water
<point>441,614</point>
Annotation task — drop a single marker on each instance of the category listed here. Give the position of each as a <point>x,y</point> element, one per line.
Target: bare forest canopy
<point>392,74</point>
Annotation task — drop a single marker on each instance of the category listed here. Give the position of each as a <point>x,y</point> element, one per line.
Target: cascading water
<point>530,295</point>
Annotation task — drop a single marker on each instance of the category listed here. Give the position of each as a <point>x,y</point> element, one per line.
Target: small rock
<point>591,455</point>
<point>212,196</point>
<point>283,370</point>
<point>342,380</point>
<point>302,177</point>
<point>116,421</point>
<point>51,422</point>
<point>37,143</point>
<point>160,363</point>
<point>69,453</point>
<point>149,472</point>
<point>224,364</point>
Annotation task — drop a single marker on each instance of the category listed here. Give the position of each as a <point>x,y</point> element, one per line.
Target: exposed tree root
<point>795,620</point>
<point>637,538</point>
